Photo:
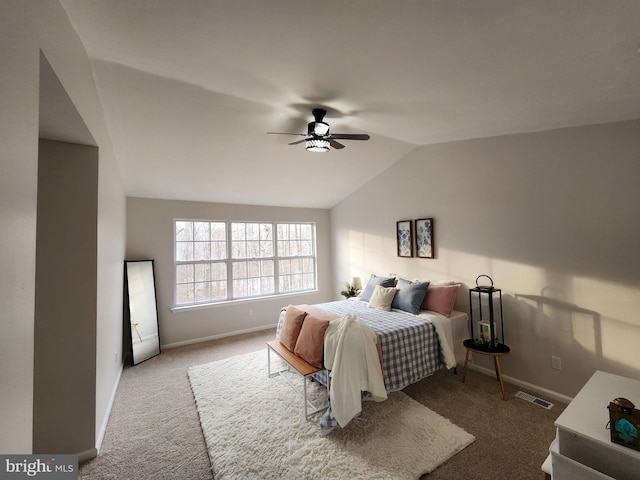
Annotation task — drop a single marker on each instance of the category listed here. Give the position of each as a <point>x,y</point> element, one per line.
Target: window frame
<point>230,260</point>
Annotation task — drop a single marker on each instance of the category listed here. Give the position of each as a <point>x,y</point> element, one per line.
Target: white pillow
<point>382,298</point>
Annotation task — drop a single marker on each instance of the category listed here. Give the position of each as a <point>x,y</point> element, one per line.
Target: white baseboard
<point>520,383</point>
<point>216,337</point>
<point>105,420</point>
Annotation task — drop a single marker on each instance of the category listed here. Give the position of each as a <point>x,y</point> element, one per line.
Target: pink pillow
<point>441,299</point>
<point>291,325</point>
<point>310,344</point>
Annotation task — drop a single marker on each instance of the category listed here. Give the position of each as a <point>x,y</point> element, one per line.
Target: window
<point>218,261</point>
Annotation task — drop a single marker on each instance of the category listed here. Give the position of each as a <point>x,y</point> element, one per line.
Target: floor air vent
<point>536,400</point>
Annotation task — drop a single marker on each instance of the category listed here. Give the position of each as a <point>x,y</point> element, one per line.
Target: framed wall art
<point>404,229</point>
<point>424,238</point>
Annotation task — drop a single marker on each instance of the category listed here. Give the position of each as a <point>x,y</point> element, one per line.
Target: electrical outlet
<point>250,313</point>
<point>556,362</point>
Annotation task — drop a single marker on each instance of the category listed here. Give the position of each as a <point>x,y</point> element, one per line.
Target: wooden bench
<point>299,365</point>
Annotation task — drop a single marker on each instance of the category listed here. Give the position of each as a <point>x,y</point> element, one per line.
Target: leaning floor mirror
<point>141,310</point>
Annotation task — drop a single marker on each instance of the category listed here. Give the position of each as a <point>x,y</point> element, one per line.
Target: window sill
<point>228,303</point>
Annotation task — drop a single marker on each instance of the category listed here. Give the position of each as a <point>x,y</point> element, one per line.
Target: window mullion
<point>194,262</point>
<point>276,266</point>
<point>229,263</point>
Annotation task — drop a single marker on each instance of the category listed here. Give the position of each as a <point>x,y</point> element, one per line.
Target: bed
<point>412,345</point>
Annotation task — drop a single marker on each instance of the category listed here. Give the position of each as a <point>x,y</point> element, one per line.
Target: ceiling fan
<point>318,137</point>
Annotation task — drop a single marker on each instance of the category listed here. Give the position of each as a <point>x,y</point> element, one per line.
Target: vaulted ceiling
<point>191,87</point>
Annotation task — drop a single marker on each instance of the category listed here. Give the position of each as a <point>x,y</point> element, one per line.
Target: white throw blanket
<point>351,355</point>
<point>445,335</point>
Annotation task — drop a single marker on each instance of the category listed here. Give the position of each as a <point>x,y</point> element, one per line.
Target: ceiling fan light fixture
<point>317,145</point>
<point>318,138</point>
<point>319,129</point>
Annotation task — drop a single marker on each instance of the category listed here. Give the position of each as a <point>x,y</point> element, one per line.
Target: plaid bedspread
<point>410,344</point>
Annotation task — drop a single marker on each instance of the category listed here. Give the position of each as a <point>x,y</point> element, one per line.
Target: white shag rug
<point>254,428</point>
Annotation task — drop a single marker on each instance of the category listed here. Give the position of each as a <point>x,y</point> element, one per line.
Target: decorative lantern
<point>485,319</point>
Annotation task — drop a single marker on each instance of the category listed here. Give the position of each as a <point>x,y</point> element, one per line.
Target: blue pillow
<point>410,295</point>
<point>371,284</point>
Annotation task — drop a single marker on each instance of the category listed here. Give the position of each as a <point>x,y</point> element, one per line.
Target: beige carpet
<point>154,431</point>
<point>254,428</point>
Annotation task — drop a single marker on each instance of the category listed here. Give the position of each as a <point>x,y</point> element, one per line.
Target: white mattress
<point>454,329</point>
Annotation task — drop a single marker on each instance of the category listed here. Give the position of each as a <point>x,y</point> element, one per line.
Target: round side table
<point>498,351</point>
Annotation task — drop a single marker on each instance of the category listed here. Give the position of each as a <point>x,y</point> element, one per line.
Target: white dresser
<point>583,449</point>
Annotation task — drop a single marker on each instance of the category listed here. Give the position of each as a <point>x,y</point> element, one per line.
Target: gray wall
<point>150,236</point>
<point>27,29</point>
<point>66,295</point>
<point>552,217</point>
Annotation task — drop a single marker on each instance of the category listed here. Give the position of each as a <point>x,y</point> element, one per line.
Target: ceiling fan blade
<point>297,142</point>
<point>285,133</point>
<point>335,144</point>
<point>351,136</point>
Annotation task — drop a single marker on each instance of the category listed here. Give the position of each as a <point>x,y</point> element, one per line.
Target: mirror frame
<point>128,324</point>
